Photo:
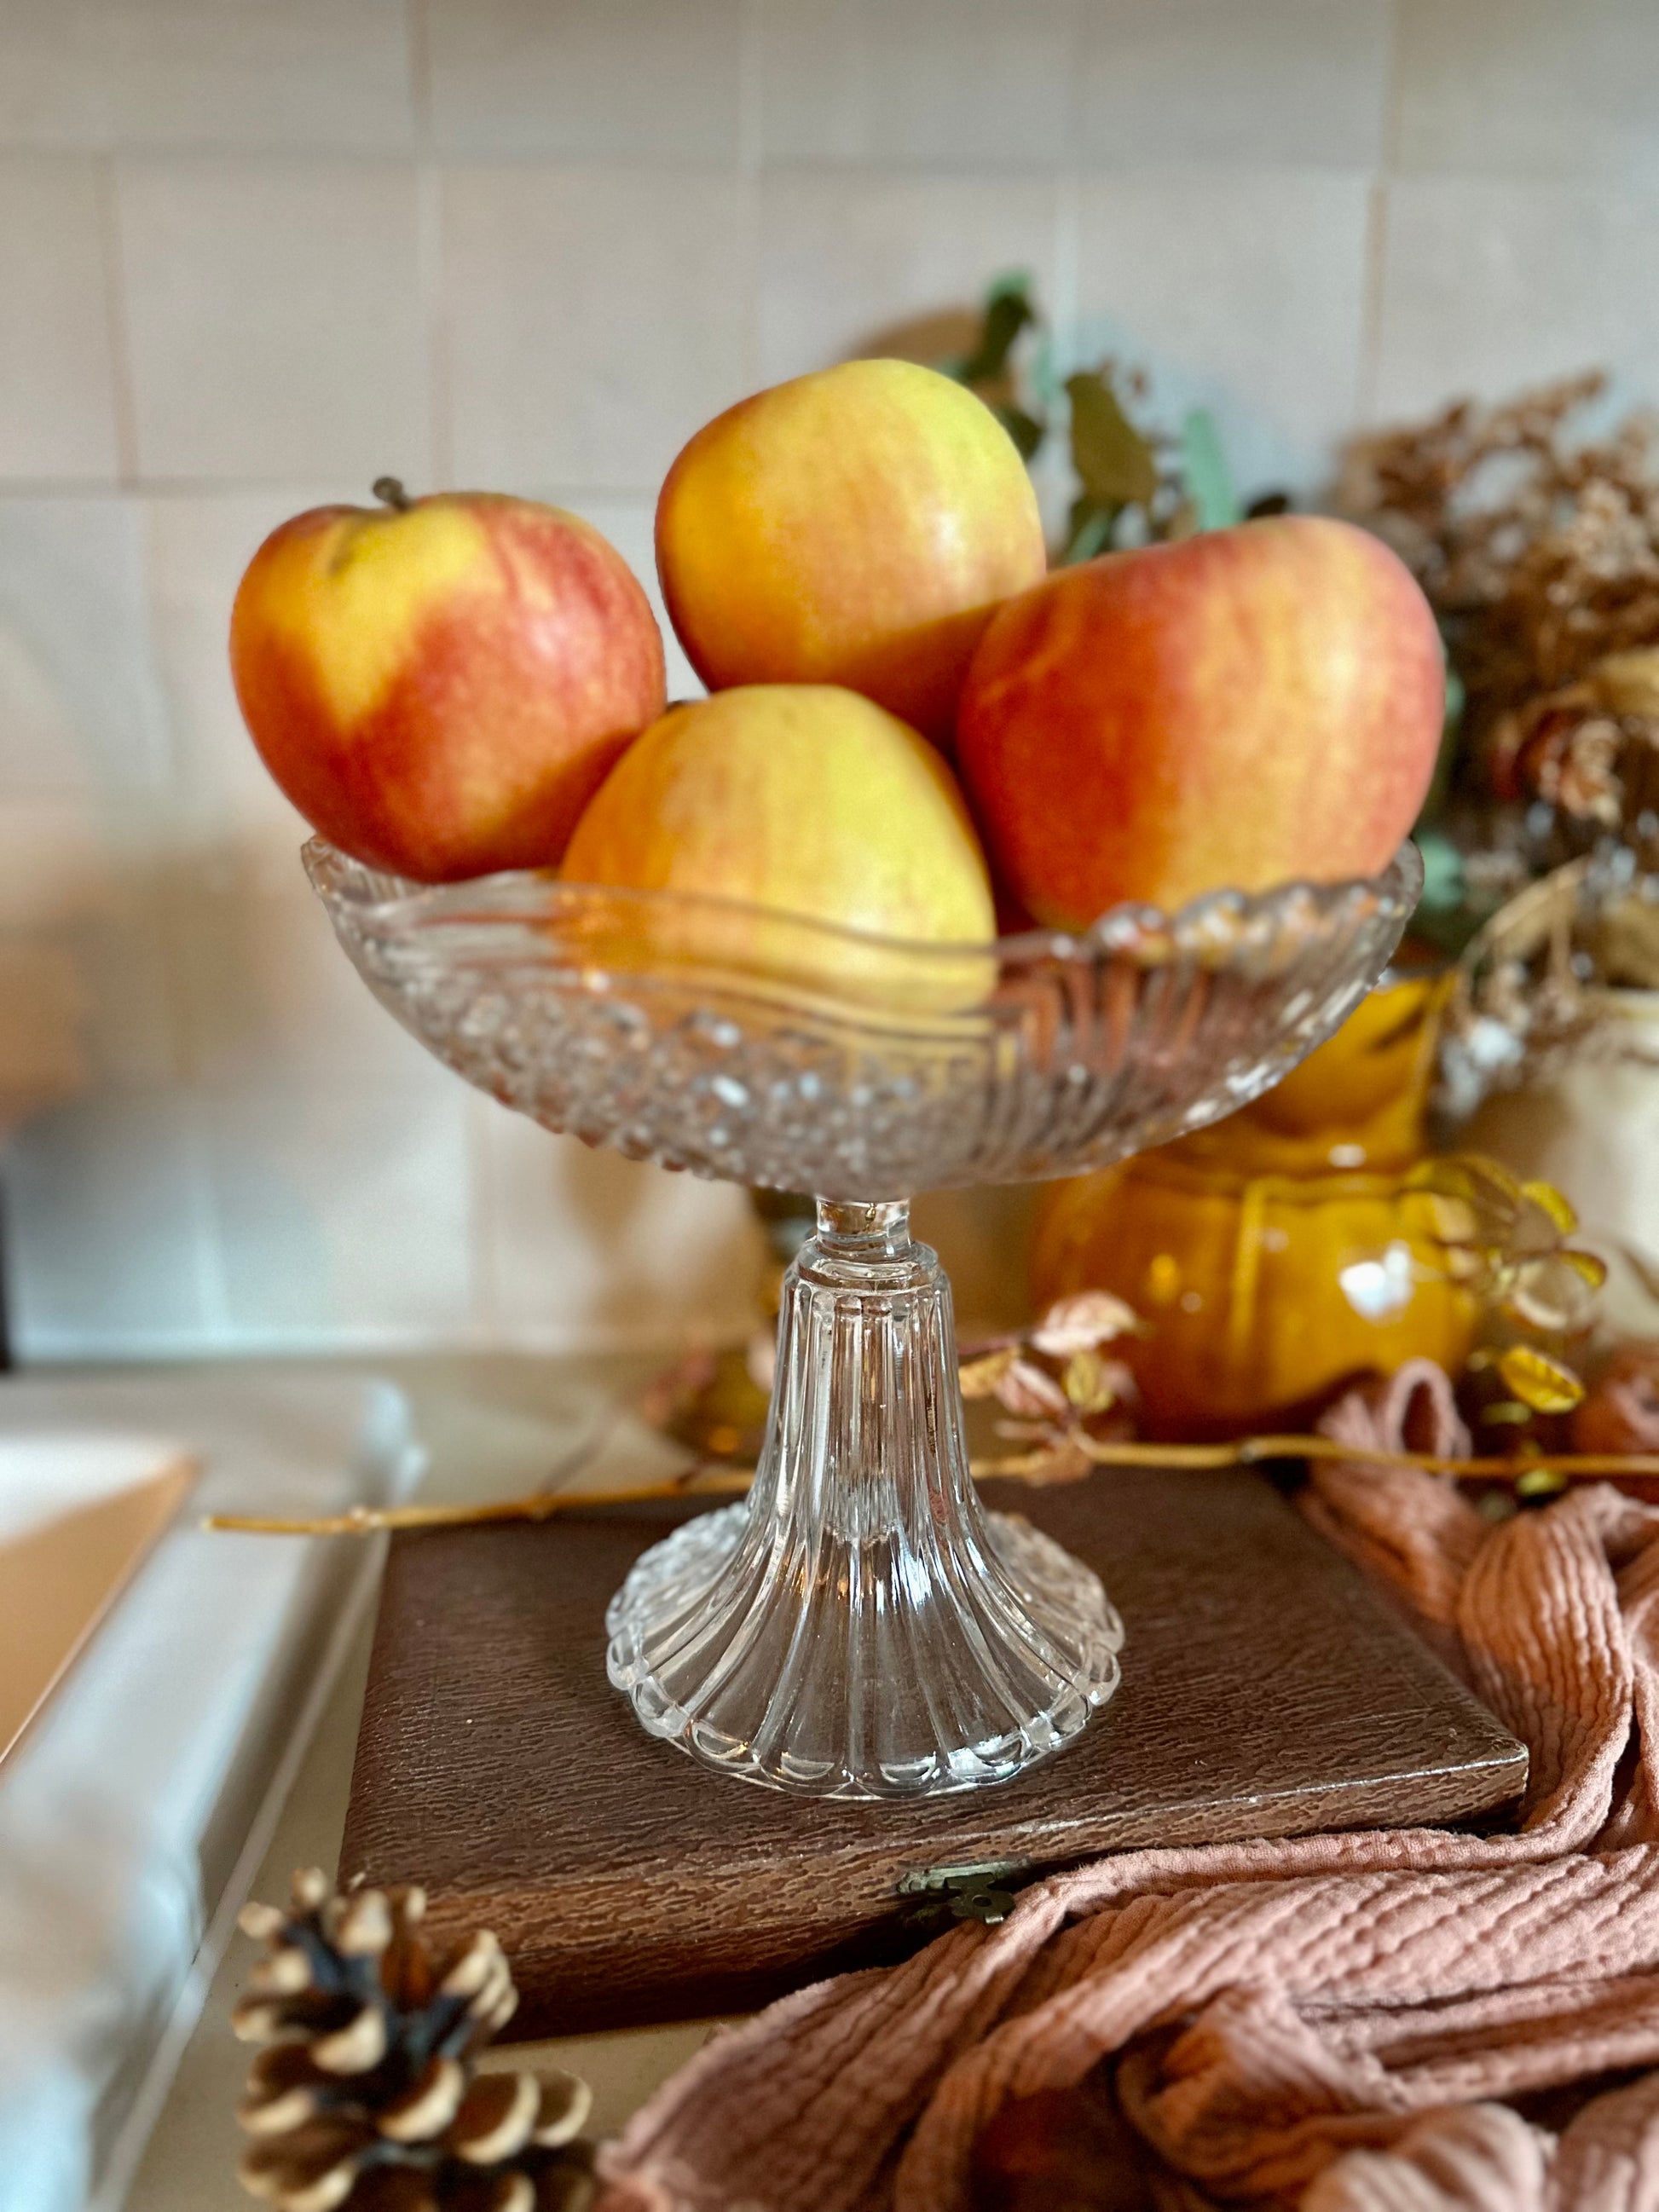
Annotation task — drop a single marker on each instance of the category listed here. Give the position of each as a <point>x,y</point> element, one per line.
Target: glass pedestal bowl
<point>859,1626</point>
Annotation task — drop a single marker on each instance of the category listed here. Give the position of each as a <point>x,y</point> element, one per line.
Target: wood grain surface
<point>1267,1691</point>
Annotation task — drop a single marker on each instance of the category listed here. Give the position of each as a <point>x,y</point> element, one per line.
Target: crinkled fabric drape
<point>1333,2023</point>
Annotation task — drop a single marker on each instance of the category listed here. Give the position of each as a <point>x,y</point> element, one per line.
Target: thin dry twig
<point>540,1505</point>
<point>1244,1451</point>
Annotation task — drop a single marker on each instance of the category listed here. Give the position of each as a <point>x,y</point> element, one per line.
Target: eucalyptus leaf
<point>1008,311</point>
<point>1114,465</point>
<point>1451,739</point>
<point>1045,378</point>
<point>1091,525</point>
<point>1026,430</point>
<point>1443,886</point>
<point>1457,696</point>
<point>1204,472</point>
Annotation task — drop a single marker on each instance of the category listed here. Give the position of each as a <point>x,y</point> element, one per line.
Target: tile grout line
<point>417,31</point>
<point>1375,250</point>
<point>208,488</point>
<point>1394,95</point>
<point>1077,116</point>
<point>123,393</point>
<point>751,89</point>
<point>440,371</point>
<point>428,247</point>
<point>751,132</point>
<point>1369,372</point>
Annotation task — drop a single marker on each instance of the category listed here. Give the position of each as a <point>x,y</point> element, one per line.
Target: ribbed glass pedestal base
<point>859,1626</point>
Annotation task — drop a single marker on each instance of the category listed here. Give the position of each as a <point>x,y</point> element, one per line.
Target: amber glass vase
<point>1283,1249</point>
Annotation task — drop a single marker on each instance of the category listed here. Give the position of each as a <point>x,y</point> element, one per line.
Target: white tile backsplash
<point>57,399</point>
<point>309,74</point>
<point>108,1229</point>
<point>810,76</point>
<point>1284,83</point>
<point>583,1248</point>
<point>81,709</point>
<point>1529,89</point>
<point>594,317</point>
<point>657,80</point>
<point>845,258</point>
<point>81,884</point>
<point>55,866</point>
<point>960,84</point>
<point>263,989</point>
<point>43,1020</point>
<point>54,89</point>
<point>253,255</point>
<point>1243,291</point>
<point>343,1215</point>
<point>196,547</point>
<point>1491,284</point>
<point>276,319</point>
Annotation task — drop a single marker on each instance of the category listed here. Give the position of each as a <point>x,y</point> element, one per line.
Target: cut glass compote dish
<point>859,1625</point>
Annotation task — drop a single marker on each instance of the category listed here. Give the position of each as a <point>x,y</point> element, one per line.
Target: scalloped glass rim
<point>763,1047</point>
<point>1207,928</point>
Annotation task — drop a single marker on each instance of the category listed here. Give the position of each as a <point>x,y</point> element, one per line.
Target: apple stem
<point>390,490</point>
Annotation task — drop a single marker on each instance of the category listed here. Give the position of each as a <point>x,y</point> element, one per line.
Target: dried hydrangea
<point>1539,551</point>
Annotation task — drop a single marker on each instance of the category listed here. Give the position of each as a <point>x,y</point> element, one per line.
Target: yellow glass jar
<point>1361,1100</point>
<point>1282,1251</point>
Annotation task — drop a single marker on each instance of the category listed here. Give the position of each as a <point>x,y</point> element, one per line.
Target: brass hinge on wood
<point>935,1896</point>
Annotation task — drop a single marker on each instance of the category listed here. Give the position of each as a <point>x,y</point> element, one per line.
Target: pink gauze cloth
<point>1331,2022</point>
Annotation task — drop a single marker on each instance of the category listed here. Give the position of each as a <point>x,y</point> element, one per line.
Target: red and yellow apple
<point>853,527</point>
<point>1239,709</point>
<point>794,800</point>
<point>441,685</point>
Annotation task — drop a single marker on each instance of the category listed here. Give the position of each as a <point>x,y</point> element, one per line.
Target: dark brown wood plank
<point>1267,1691</point>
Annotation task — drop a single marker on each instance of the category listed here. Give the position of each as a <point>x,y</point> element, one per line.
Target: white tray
<point>133,1816</point>
<point>80,1513</point>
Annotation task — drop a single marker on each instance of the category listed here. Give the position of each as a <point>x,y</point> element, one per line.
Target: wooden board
<point>1265,1693</point>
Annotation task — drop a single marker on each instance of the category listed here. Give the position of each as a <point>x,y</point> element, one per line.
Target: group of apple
<point>913,728</point>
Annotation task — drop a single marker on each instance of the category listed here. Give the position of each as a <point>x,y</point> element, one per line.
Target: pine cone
<point>366,2095</point>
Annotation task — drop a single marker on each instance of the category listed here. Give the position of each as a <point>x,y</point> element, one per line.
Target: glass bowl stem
<point>859,1626</point>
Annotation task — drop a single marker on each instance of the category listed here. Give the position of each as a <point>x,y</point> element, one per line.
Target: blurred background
<point>254,255</point>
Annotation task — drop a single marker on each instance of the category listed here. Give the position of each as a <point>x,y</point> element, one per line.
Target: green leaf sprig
<point>1133,485</point>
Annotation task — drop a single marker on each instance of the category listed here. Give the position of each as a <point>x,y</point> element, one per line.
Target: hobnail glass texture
<point>859,1626</point>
